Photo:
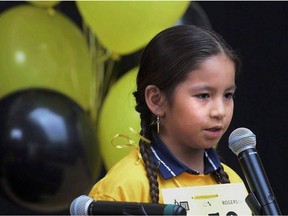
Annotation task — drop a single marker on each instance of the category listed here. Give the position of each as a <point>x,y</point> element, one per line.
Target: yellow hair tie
<point>130,141</point>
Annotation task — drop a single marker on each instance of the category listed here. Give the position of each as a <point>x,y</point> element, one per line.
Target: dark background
<point>258,31</point>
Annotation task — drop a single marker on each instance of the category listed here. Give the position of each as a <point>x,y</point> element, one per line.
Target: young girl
<point>184,95</point>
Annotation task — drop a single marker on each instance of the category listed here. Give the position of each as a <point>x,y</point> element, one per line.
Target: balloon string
<point>130,141</point>
<point>140,136</point>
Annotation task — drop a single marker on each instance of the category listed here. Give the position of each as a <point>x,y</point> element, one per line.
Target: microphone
<point>243,142</point>
<point>84,205</point>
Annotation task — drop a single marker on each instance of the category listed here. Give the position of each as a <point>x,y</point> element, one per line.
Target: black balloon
<point>195,15</point>
<point>48,150</point>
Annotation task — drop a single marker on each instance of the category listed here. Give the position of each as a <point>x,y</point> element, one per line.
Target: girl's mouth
<point>215,132</point>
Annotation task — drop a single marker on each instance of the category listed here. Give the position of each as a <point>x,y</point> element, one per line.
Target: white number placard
<point>220,199</point>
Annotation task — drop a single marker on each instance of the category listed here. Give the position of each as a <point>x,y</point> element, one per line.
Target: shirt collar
<point>170,167</point>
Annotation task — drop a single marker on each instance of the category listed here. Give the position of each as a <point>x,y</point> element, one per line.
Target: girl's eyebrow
<point>232,87</point>
<point>205,87</point>
<point>202,87</point>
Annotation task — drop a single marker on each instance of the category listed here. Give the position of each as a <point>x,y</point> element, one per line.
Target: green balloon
<point>117,115</point>
<point>43,48</point>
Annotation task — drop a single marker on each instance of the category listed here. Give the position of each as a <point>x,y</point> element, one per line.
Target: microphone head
<point>79,205</point>
<point>241,139</point>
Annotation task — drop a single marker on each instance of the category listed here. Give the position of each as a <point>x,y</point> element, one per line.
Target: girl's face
<point>201,108</point>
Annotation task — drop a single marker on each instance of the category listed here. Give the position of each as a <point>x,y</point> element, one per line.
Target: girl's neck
<point>192,158</point>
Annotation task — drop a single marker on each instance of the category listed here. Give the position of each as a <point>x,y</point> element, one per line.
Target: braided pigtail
<point>221,176</point>
<point>150,167</point>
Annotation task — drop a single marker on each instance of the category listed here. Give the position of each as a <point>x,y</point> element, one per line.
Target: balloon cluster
<point>124,27</point>
<point>53,143</point>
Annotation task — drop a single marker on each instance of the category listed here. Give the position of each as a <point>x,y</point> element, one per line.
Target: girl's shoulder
<point>122,180</point>
<point>127,166</point>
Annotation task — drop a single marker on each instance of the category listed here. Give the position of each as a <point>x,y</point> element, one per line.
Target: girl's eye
<point>229,95</point>
<point>202,96</point>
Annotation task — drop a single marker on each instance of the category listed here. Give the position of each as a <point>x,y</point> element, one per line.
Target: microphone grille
<point>78,206</point>
<point>241,139</point>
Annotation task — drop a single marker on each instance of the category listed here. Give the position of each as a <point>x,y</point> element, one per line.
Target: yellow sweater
<point>127,181</point>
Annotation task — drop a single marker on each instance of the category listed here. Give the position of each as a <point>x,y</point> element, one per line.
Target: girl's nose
<point>218,109</point>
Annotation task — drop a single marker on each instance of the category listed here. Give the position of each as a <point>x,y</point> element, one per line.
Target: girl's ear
<point>155,100</point>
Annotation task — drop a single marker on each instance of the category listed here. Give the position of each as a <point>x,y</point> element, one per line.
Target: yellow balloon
<point>40,49</point>
<point>44,4</point>
<point>126,26</point>
<point>117,115</point>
